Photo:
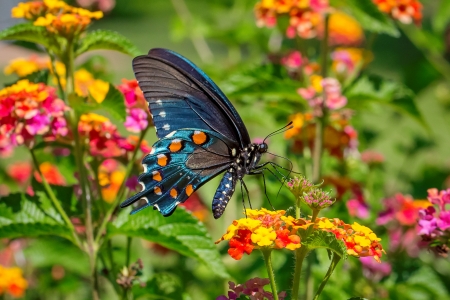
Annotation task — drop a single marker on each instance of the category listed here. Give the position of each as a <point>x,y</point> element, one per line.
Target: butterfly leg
<point>243,201</point>
<point>261,172</point>
<point>248,195</point>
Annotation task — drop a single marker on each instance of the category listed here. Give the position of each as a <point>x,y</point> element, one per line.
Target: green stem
<point>320,125</point>
<point>54,200</point>
<point>55,73</point>
<point>334,262</point>
<point>128,253</point>
<point>268,260</point>
<point>300,255</point>
<point>121,190</point>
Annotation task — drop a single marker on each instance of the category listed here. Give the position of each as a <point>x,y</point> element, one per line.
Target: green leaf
<point>38,76</point>
<point>180,232</point>
<point>27,32</point>
<point>327,240</point>
<point>114,104</point>
<point>366,92</point>
<point>108,40</point>
<point>440,19</point>
<point>369,16</point>
<point>161,286</point>
<point>25,216</point>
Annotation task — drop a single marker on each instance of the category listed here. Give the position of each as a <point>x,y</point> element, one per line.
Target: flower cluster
<point>400,215</point>
<point>344,30</point>
<point>56,16</point>
<point>308,193</point>
<point>339,136</point>
<point>323,89</point>
<point>304,16</point>
<point>86,84</point>
<point>360,240</point>
<point>27,110</point>
<point>348,61</point>
<point>131,274</point>
<point>111,175</point>
<point>263,228</point>
<point>253,287</point>
<point>138,117</point>
<point>405,11</point>
<point>434,221</point>
<point>12,281</point>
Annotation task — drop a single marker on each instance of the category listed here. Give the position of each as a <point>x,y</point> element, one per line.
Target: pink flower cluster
<point>434,221</point>
<point>138,116</point>
<point>317,199</point>
<point>330,90</point>
<point>253,287</point>
<point>27,110</point>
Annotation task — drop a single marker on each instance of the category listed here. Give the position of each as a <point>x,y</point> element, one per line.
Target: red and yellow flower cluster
<point>360,240</point>
<point>263,229</point>
<point>305,16</point>
<point>56,16</point>
<point>29,109</point>
<point>12,281</point>
<point>406,11</point>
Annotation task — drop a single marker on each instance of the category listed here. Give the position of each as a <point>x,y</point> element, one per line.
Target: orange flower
<point>263,229</point>
<point>344,30</point>
<point>406,11</point>
<point>111,175</point>
<point>12,281</point>
<point>50,173</point>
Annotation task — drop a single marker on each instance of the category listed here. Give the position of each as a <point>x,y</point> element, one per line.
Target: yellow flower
<point>316,82</point>
<point>22,67</point>
<point>263,236</point>
<point>250,224</point>
<point>262,212</point>
<point>325,224</point>
<point>12,281</point>
<point>85,84</point>
<point>345,30</point>
<point>93,118</point>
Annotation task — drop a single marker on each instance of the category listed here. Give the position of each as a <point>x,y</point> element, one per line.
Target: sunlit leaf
<point>326,240</point>
<point>27,32</point>
<point>107,40</point>
<point>180,232</point>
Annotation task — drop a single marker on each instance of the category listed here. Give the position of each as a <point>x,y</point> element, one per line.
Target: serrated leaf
<point>107,40</point>
<point>114,104</point>
<point>180,232</point>
<point>388,93</point>
<point>27,32</point>
<point>369,16</point>
<point>327,240</point>
<point>25,216</point>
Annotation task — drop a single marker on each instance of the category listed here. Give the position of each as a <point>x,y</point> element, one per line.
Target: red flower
<point>241,243</point>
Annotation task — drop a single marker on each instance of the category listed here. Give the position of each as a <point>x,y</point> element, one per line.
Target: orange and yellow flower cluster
<point>29,109</point>
<point>360,240</point>
<point>12,281</point>
<point>263,229</point>
<point>405,11</point>
<point>304,15</point>
<point>56,16</point>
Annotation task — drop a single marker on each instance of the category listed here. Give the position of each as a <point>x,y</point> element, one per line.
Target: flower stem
<point>320,125</point>
<point>54,200</point>
<point>334,262</point>
<point>113,206</point>
<point>300,255</point>
<point>268,260</point>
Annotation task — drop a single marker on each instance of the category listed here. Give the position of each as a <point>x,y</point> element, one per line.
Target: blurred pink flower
<point>375,270</point>
<point>253,287</point>
<point>103,5</point>
<point>293,60</point>
<point>20,171</point>
<point>328,88</point>
<point>137,120</point>
<point>372,157</point>
<point>356,208</point>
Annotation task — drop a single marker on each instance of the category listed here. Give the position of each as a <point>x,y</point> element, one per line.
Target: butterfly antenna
<point>283,129</point>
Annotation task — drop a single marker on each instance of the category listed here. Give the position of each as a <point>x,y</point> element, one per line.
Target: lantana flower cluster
<point>434,222</point>
<point>339,136</point>
<point>304,16</point>
<point>405,11</point>
<point>253,287</point>
<point>323,92</point>
<point>56,16</point>
<point>360,240</point>
<point>263,229</point>
<point>12,281</point>
<point>138,117</point>
<point>28,110</point>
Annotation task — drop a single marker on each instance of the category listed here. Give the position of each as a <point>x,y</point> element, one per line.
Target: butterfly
<point>200,135</point>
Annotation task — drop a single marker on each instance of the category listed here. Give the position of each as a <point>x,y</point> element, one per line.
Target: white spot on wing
<point>159,102</point>
<point>166,127</point>
<point>145,167</point>
<point>152,151</point>
<point>157,207</point>
<point>162,114</point>
<point>143,185</point>
<point>146,200</point>
<point>171,134</point>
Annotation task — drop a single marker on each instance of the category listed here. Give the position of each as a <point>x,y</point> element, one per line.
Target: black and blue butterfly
<point>200,134</point>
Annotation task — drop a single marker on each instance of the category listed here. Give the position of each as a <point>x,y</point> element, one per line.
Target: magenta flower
<point>293,60</point>
<point>136,120</point>
<point>375,270</point>
<point>253,287</point>
<point>357,208</point>
<point>444,220</point>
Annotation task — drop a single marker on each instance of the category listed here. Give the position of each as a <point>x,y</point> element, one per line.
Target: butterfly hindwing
<point>169,178</point>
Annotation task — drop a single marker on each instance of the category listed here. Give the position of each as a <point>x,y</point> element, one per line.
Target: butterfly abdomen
<point>224,193</point>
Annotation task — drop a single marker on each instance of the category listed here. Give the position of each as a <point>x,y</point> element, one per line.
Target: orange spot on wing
<point>199,137</point>
<point>173,193</point>
<point>157,190</point>
<point>157,176</point>
<point>189,190</point>
<point>175,146</point>
<point>162,160</point>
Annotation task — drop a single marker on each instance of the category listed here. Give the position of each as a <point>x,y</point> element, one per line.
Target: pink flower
<point>253,287</point>
<point>372,157</point>
<point>136,120</point>
<point>356,208</point>
<point>439,198</point>
<point>294,60</point>
<point>318,5</point>
<point>375,270</point>
<point>307,93</point>
<point>444,220</point>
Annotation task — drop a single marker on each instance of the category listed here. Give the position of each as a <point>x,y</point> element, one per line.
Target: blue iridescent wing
<point>180,95</point>
<point>179,164</point>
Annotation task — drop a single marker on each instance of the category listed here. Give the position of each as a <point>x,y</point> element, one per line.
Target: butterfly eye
<point>262,148</point>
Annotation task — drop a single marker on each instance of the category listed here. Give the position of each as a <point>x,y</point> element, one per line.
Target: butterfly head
<point>262,148</point>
